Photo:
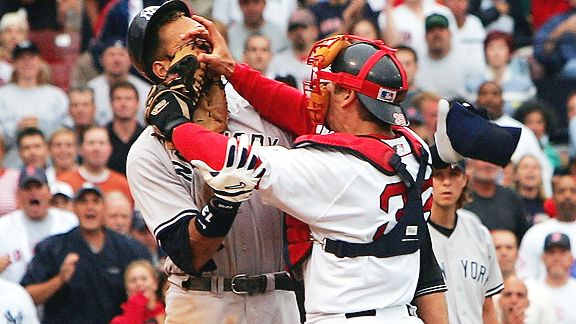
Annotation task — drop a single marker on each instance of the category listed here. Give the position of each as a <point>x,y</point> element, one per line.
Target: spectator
<point>95,150</point>
<point>124,128</point>
<point>62,195</point>
<point>24,228</point>
<point>63,150</point>
<point>506,70</point>
<point>81,109</point>
<point>228,11</point>
<point>513,302</point>
<point>558,287</point>
<point>257,53</point>
<point>32,148</point>
<point>555,43</point>
<point>527,181</point>
<point>366,28</point>
<point>116,64</point>
<point>144,304</point>
<point>442,59</point>
<point>302,34</point>
<point>409,60</point>
<point>77,275</point>
<point>506,245</point>
<point>571,114</point>
<point>253,22</point>
<point>119,211</point>
<point>16,304</point>
<point>497,207</point>
<point>117,16</point>
<point>539,118</point>
<point>140,232</point>
<point>13,30</point>
<point>427,104</point>
<point>8,183</point>
<point>461,242</point>
<point>39,104</point>
<point>336,16</point>
<point>530,265</point>
<point>493,14</point>
<point>405,24</point>
<point>490,98</point>
<point>469,34</point>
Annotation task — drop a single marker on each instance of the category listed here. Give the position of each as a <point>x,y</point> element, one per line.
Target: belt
<point>243,284</point>
<point>409,309</point>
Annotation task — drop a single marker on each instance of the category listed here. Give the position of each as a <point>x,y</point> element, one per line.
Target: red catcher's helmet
<point>366,66</point>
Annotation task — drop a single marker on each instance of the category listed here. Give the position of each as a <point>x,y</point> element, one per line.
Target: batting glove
<point>240,174</point>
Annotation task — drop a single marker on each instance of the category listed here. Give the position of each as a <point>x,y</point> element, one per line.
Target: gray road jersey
<point>165,188</point>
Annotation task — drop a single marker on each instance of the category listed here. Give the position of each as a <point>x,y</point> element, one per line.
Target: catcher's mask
<point>366,66</point>
<point>139,37</point>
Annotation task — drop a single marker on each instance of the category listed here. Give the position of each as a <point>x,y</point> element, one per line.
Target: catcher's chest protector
<point>298,239</point>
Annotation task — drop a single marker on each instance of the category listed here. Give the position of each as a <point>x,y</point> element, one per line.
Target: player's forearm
<point>203,248</point>
<point>432,308</point>
<point>41,292</point>
<point>488,312</point>
<point>194,142</point>
<point>275,101</point>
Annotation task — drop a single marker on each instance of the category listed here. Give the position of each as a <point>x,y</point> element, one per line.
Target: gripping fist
<point>240,174</point>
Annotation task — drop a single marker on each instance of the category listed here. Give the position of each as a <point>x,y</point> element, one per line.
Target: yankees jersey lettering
<point>468,261</point>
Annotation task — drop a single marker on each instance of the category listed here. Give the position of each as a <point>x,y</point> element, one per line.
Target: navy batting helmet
<point>138,34</point>
<point>383,80</point>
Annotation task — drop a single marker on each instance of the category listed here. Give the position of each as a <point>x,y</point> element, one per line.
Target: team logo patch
<point>159,107</point>
<point>412,230</point>
<point>386,95</point>
<point>399,119</point>
<point>147,12</point>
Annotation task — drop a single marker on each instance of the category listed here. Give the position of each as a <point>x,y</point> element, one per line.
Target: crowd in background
<point>71,106</point>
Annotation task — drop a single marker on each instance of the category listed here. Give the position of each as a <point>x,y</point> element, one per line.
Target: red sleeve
<point>275,101</point>
<point>133,310</point>
<point>194,142</point>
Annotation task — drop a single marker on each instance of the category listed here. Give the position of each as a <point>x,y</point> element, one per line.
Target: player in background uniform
<point>239,275</point>
<point>464,249</point>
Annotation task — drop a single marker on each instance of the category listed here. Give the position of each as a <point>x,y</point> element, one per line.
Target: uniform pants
<point>390,315</point>
<point>190,306</point>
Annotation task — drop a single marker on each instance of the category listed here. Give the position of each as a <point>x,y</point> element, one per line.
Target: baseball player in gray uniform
<point>214,275</point>
<point>464,250</point>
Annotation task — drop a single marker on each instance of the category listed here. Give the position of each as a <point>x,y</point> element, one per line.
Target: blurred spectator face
<point>513,300</point>
<point>571,106</point>
<point>438,40</point>
<point>429,111</point>
<point>458,7</point>
<point>528,173</point>
<point>506,246</point>
<point>33,150</point>
<point>63,150</point>
<point>118,213</point>
<point>28,66</point>
<point>366,29</point>
<point>490,98</point>
<point>536,122</point>
<point>62,202</point>
<point>90,211</point>
<point>96,148</point>
<point>408,61</point>
<point>34,199</point>
<point>12,35</point>
<point>124,104</point>
<point>558,261</point>
<point>116,61</point>
<point>140,278</point>
<point>483,171</point>
<point>257,53</point>
<point>253,11</point>
<point>82,108</point>
<point>497,53</point>
<point>564,196</point>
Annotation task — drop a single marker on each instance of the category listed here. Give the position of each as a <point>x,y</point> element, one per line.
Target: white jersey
<point>340,197</point>
<point>17,242</point>
<point>470,267</point>
<point>166,189</point>
<point>561,299</point>
<point>530,264</point>
<point>16,306</point>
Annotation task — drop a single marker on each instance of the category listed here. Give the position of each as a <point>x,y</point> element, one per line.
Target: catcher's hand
<point>240,174</point>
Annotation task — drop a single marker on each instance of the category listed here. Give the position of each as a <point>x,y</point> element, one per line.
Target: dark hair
<point>26,132</point>
<point>81,89</point>
<point>532,106</point>
<point>152,49</point>
<point>408,49</point>
<point>123,84</point>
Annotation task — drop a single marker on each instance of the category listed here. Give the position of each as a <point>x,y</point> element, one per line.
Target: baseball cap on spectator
<point>32,174</point>
<point>25,47</point>
<point>436,20</point>
<point>556,239</point>
<point>88,188</point>
<point>113,42</point>
<point>301,18</point>
<point>62,189</point>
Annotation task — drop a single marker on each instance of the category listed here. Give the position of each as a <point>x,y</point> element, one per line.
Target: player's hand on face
<point>4,262</point>
<point>68,267</point>
<point>240,174</point>
<point>220,60</point>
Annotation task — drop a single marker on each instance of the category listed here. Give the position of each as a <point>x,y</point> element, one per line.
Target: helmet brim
<point>384,111</point>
